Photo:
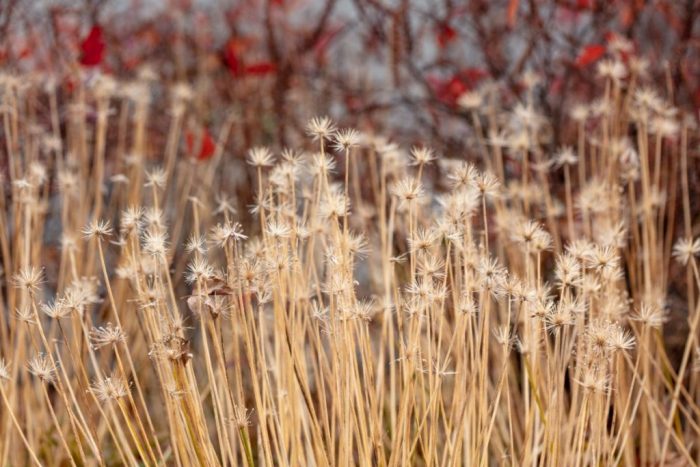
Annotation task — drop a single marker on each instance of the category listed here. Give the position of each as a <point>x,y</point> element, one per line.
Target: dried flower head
<point>568,271</point>
<point>421,156</point>
<point>651,315</point>
<point>196,244</point>
<point>320,128</point>
<point>55,309</point>
<point>278,230</point>
<point>242,416</point>
<point>685,249</point>
<point>487,184</point>
<point>102,336</point>
<point>408,190</point>
<point>131,219</point>
<point>199,271</point>
<point>260,156</point>
<point>110,388</point>
<point>229,231</point>
<point>42,367</point>
<point>345,139</point>
<point>565,156</point>
<point>156,178</point>
<point>594,382</point>
<point>99,229</point>
<point>155,243</point>
<point>29,279</point>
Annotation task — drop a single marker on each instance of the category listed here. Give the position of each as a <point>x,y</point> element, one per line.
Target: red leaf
<point>448,90</point>
<point>69,84</point>
<point>201,146</point>
<point>260,68</point>
<point>445,34</point>
<point>92,48</point>
<point>24,53</point>
<point>589,55</point>
<point>512,12</point>
<point>232,57</point>
<point>455,87</point>
<point>626,15</point>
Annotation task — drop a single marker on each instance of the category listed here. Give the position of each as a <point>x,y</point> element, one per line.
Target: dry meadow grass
<point>376,305</point>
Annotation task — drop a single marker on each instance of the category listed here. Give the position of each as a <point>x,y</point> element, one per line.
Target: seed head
<point>199,271</point>
<point>278,230</point>
<point>260,156</point>
<point>99,229</point>
<point>421,156</point>
<point>685,249</point>
<point>131,219</point>
<point>102,336</point>
<point>408,190</point>
<point>156,178</point>
<point>565,156</point>
<point>56,309</point>
<point>110,388</point>
<point>651,315</point>
<point>621,339</point>
<point>320,128</point>
<point>567,271</point>
<point>242,416</point>
<point>487,184</point>
<point>345,139</point>
<point>227,232</point>
<point>593,382</point>
<point>42,367</point>
<point>224,205</point>
<point>196,243</point>
<point>29,279</point>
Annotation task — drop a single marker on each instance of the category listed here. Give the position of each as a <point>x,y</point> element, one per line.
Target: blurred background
<point>395,66</point>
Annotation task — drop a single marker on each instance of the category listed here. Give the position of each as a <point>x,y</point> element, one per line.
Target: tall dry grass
<point>375,306</point>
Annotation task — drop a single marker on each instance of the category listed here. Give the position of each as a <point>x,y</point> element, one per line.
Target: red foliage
<point>236,63</point>
<point>232,59</point>
<point>260,68</point>
<point>448,90</point>
<point>445,34</point>
<point>589,55</point>
<point>200,147</point>
<point>512,12</point>
<point>92,48</point>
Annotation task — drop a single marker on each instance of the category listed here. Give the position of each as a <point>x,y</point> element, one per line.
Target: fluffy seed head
<point>320,128</point>
<point>99,229</point>
<point>685,249</point>
<point>345,139</point>
<point>108,335</point>
<point>29,279</point>
<point>260,156</point>
<point>42,367</point>
<point>110,388</point>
